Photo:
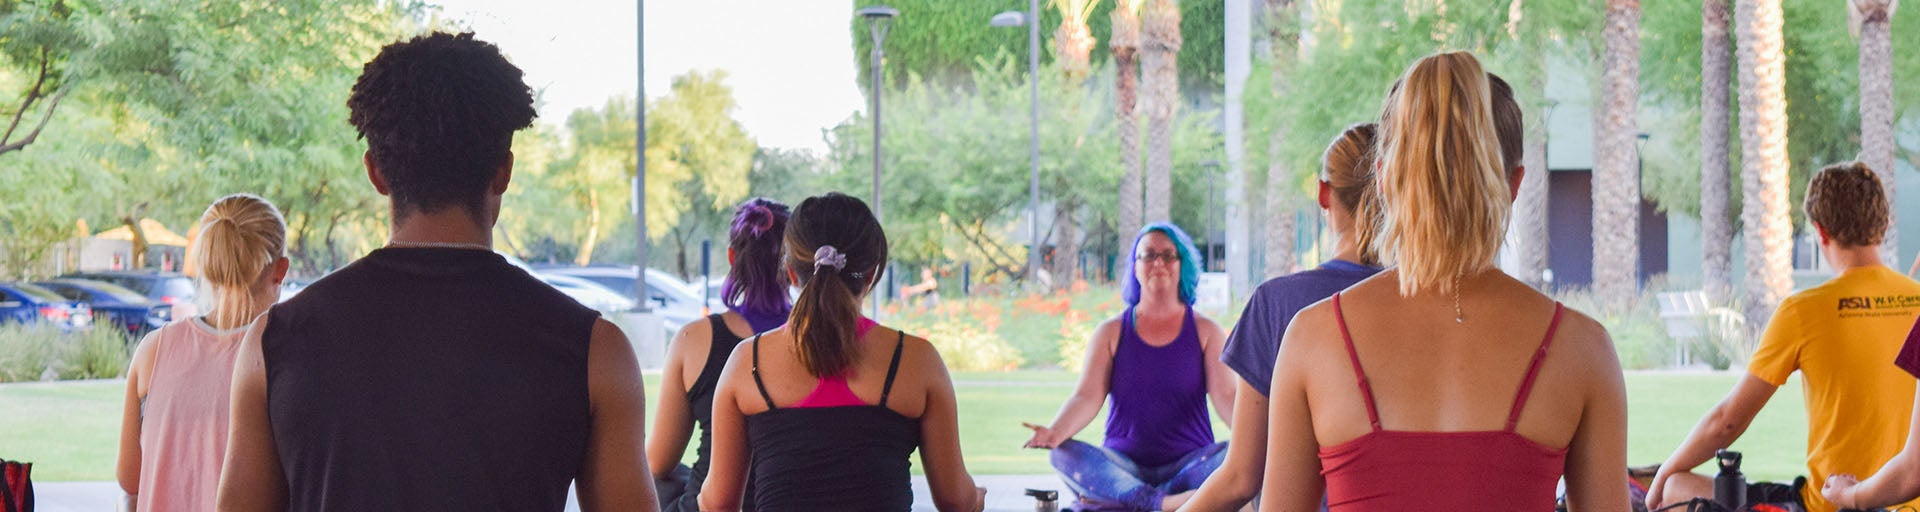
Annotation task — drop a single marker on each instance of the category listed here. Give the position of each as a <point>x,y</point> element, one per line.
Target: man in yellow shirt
<point>1841,335</point>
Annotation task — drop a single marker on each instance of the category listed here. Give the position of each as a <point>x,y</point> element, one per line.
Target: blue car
<point>170,288</point>
<point>25,303</point>
<point>118,305</point>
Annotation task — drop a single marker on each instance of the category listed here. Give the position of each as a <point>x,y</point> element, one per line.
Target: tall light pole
<point>640,299</point>
<point>879,18</point>
<point>1031,19</point>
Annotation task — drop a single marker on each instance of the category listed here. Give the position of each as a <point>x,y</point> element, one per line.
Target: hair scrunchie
<point>828,256</point>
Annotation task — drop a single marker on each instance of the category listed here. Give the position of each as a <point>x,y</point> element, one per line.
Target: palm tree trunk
<point>1066,246</point>
<point>1616,177</point>
<point>1716,227</point>
<point>1159,48</point>
<point>1073,40</point>
<point>1876,101</point>
<point>1283,32</point>
<point>1530,208</point>
<point>1763,158</point>
<point>1126,67</point>
<point>585,256</point>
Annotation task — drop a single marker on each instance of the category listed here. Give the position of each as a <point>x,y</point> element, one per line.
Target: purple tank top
<point>1158,396</point>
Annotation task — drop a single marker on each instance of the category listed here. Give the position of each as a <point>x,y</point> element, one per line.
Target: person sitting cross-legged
<point>1840,336</point>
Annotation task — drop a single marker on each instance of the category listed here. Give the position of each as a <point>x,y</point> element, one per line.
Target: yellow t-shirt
<point>1843,336</point>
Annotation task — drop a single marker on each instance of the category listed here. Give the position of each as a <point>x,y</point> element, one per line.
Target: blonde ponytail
<point>1443,179</point>
<point>240,237</point>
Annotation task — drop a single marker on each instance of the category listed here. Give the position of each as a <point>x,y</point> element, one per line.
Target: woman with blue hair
<point>1159,362</point>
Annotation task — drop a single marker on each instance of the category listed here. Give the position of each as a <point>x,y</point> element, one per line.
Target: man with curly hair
<point>431,374</point>
<point>1840,336</point>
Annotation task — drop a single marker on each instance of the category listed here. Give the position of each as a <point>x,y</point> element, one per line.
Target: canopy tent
<point>157,234</point>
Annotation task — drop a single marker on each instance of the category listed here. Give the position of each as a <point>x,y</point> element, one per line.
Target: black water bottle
<point>1045,500</point>
<point>1730,486</point>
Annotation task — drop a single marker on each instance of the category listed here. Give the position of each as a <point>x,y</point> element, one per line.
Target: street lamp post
<point>642,304</point>
<point>878,17</point>
<point>1031,19</point>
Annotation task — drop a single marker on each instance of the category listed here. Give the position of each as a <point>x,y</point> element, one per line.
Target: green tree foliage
<point>575,192</point>
<point>944,41</point>
<point>956,166</point>
<point>171,104</point>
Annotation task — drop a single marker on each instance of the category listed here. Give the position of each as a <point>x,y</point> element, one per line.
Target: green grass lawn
<point>70,430</point>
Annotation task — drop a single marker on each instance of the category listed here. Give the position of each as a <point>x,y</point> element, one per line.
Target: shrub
<point>30,352</point>
<point>966,347</point>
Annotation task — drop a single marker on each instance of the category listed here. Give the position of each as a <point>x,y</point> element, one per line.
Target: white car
<point>670,296</point>
<point>587,293</point>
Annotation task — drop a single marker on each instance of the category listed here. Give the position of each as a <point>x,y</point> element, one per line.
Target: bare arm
<point>1088,397</point>
<point>613,475</point>
<point>1292,481</point>
<point>673,416</point>
<point>953,489</point>
<point>1599,448</point>
<point>127,468</point>
<point>1717,430</point>
<point>726,482</point>
<point>252,480</point>
<point>1238,479</point>
<point>1220,379</point>
<point>1898,481</point>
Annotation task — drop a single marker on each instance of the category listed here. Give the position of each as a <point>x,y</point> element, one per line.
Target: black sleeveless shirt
<point>428,379</point>
<point>852,458</point>
<point>700,400</point>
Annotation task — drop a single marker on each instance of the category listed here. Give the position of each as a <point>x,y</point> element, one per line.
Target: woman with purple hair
<point>755,293</point>
<point>1160,364</point>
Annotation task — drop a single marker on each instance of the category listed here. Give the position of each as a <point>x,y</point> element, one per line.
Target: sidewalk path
<point>1005,493</point>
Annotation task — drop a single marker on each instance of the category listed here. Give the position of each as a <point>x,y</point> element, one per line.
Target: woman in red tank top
<point>1442,383</point>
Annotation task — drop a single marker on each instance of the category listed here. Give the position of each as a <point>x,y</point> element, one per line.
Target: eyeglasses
<point>1168,257</point>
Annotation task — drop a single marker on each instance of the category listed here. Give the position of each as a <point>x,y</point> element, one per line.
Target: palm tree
<point>1763,157</point>
<point>1126,68</point>
<point>1072,49</point>
<point>1529,223</point>
<point>1716,228</point>
<point>1871,19</point>
<point>1159,48</point>
<point>1283,32</point>
<point>1616,181</point>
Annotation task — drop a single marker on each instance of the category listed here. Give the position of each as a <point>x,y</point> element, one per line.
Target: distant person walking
<point>431,374</point>
<point>1159,362</point>
<point>755,292</point>
<point>173,431</point>
<point>826,410</point>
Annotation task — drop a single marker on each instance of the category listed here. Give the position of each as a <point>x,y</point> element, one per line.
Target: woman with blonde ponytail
<point>173,434</point>
<point>826,409</point>
<point>1441,383</point>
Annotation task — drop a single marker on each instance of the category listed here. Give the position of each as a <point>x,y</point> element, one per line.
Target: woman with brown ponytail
<point>826,409</point>
<point>173,434</point>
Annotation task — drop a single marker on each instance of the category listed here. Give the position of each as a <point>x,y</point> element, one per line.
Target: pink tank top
<point>834,391</point>
<point>1388,470</point>
<point>183,417</point>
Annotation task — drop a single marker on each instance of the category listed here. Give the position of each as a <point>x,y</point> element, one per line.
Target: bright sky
<point>790,62</point>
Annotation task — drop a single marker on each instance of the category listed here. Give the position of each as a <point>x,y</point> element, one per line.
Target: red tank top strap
<point>1366,390</point>
<point>1533,368</point>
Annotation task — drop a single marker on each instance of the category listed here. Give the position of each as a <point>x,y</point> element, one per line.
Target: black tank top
<point>428,379</point>
<point>832,458</point>
<point>700,399</point>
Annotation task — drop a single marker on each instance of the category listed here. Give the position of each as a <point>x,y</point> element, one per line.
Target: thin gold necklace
<point>1459,315</point>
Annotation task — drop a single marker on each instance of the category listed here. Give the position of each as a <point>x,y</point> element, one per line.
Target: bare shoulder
<point>1311,328</point>
<point>1583,339</point>
<point>689,334</point>
<point>1208,328</point>
<point>917,353</point>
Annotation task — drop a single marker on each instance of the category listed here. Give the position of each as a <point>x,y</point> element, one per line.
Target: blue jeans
<point>1104,476</point>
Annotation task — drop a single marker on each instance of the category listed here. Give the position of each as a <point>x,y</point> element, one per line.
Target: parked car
<point>170,288</point>
<point>671,298</point>
<point>26,303</point>
<point>114,304</point>
<point>587,293</point>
